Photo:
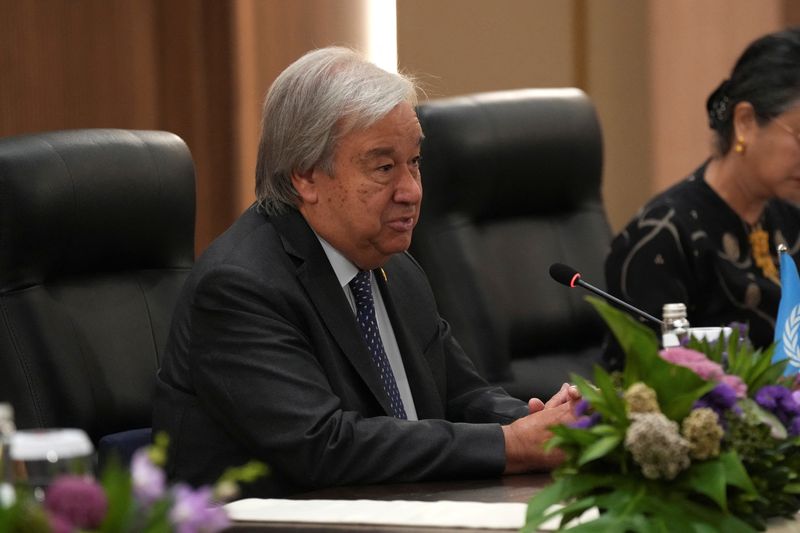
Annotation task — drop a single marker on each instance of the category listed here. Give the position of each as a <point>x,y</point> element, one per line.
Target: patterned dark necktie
<point>365,314</point>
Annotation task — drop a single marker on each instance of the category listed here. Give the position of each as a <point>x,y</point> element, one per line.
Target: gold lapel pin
<point>385,278</point>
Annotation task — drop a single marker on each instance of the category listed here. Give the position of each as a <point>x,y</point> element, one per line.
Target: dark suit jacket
<point>265,361</point>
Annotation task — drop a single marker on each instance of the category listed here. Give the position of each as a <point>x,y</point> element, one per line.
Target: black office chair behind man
<point>512,184</point>
<point>96,239</point>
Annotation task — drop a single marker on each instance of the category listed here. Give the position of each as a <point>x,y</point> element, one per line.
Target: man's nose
<point>409,188</point>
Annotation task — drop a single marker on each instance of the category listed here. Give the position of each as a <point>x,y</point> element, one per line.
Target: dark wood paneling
<point>145,64</point>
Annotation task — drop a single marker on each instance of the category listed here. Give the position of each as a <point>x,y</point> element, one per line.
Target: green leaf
<point>634,338</point>
<point>777,429</point>
<point>158,517</point>
<point>117,484</point>
<point>735,472</point>
<point>581,437</point>
<point>599,448</point>
<point>561,490</point>
<point>615,405</point>
<point>792,488</point>
<point>707,477</point>
<point>676,388</point>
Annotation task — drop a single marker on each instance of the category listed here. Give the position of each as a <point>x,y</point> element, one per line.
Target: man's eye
<point>385,168</point>
<point>416,160</point>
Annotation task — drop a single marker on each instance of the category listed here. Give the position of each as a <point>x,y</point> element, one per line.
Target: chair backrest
<point>511,185</point>
<point>96,239</point>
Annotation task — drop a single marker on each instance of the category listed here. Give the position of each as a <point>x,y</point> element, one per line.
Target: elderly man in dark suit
<point>308,338</point>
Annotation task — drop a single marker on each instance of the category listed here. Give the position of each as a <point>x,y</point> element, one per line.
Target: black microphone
<point>570,277</point>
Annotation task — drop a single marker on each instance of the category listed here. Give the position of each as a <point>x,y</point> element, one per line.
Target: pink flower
<point>704,367</point>
<point>736,383</point>
<point>149,481</point>
<point>694,361</point>
<point>59,524</point>
<point>195,512</point>
<point>78,500</point>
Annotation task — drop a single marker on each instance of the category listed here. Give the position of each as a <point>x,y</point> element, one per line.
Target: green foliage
<point>773,464</point>
<point>116,483</point>
<point>127,511</point>
<point>755,367</point>
<point>755,477</point>
<point>677,388</point>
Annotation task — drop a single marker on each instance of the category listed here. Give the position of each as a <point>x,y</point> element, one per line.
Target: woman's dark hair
<point>767,75</point>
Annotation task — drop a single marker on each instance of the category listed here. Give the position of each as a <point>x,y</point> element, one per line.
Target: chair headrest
<point>477,147</point>
<point>96,200</point>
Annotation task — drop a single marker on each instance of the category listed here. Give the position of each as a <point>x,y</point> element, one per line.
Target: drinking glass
<point>38,456</point>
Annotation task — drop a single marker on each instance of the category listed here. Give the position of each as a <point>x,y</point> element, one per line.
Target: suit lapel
<point>316,275</point>
<point>396,293</point>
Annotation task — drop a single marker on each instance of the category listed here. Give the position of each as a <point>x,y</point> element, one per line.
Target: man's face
<point>368,207</point>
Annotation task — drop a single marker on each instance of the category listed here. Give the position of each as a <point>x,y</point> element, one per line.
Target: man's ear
<point>305,185</point>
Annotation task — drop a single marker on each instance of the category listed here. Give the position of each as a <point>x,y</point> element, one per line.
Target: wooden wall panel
<point>195,72</point>
<point>82,63</point>
<point>465,46</point>
<point>142,64</point>
<point>269,35</point>
<point>617,59</point>
<point>687,64</point>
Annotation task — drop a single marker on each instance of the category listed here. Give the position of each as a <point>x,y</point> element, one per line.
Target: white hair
<point>312,104</point>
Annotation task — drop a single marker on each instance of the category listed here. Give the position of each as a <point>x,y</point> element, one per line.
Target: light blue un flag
<point>787,342</point>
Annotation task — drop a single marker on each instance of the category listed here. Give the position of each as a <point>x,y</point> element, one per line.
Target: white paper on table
<point>452,514</point>
<point>396,512</point>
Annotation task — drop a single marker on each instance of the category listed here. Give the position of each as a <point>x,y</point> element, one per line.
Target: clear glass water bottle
<point>675,328</point>
<point>7,430</point>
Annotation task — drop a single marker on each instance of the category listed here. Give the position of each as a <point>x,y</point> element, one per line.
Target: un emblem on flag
<point>790,328</point>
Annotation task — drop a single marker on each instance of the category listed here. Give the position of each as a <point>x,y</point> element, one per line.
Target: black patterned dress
<point>687,245</point>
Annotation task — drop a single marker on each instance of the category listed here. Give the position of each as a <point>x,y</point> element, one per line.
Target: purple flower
<point>779,401</point>
<point>740,328</point>
<point>581,407</point>
<point>149,481</point>
<point>794,427</point>
<point>78,500</point>
<point>586,421</point>
<point>194,511</point>
<point>59,524</point>
<point>720,399</point>
<point>736,384</point>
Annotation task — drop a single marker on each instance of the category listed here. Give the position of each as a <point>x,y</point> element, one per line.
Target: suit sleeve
<point>470,397</point>
<point>257,375</point>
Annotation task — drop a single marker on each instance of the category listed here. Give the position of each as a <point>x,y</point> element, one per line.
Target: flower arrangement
<point>134,500</point>
<point>702,437</point>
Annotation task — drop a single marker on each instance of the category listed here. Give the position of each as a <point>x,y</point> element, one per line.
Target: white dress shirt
<point>345,271</point>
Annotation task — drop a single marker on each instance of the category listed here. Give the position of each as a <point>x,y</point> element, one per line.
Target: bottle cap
<point>676,310</point>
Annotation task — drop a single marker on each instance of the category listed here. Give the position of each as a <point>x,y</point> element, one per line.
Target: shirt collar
<point>342,267</point>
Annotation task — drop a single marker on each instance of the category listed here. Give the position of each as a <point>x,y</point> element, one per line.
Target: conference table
<point>505,489</point>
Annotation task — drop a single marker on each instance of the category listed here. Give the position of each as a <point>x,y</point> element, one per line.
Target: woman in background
<point>710,241</point>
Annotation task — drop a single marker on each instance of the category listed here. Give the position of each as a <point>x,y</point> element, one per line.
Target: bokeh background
<point>200,68</point>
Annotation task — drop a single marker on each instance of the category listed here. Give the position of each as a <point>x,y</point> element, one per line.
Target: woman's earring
<point>740,146</point>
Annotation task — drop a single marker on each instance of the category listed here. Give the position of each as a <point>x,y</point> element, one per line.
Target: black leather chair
<point>511,185</point>
<point>96,239</point>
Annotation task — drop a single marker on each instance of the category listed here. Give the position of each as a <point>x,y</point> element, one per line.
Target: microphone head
<point>566,275</point>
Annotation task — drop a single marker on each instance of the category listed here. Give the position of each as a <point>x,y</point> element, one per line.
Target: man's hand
<point>567,393</point>
<point>525,438</point>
